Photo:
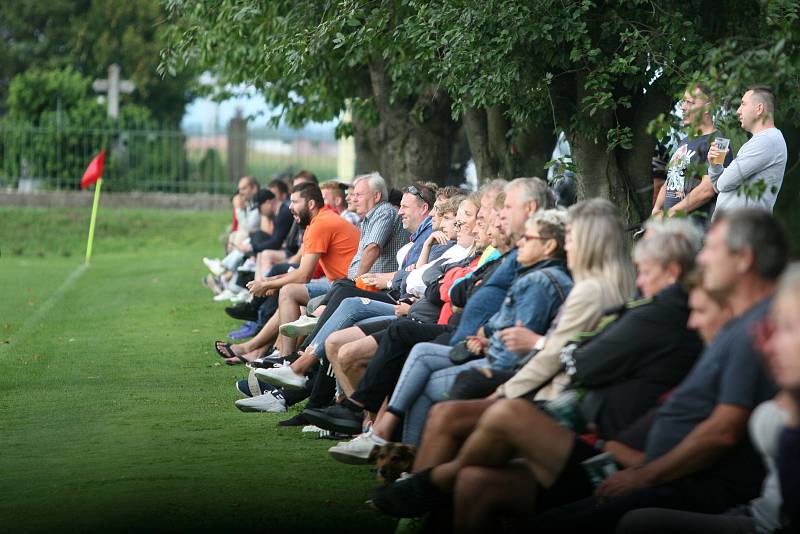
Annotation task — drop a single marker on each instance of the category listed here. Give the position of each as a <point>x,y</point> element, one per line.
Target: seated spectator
<point>328,241</point>
<point>534,298</point>
<point>523,196</point>
<point>696,456</point>
<point>336,198</point>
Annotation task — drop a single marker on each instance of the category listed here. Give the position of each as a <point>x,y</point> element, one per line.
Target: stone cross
<point>113,86</point>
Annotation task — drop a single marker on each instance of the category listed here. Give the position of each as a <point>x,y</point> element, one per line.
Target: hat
<point>263,195</point>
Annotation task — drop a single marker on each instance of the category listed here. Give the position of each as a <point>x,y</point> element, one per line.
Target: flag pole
<point>94,216</point>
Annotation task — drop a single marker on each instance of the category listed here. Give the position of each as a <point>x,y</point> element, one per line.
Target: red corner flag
<point>94,171</point>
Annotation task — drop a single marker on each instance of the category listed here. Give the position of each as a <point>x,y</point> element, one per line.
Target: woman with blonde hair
<point>599,259</point>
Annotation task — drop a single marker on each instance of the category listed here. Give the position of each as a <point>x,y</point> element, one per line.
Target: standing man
<point>687,189</point>
<point>755,176</point>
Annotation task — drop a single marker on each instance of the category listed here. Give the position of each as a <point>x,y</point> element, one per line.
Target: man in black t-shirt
<point>698,456</point>
<point>688,188</point>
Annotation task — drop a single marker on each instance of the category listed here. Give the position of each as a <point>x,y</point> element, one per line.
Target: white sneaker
<point>301,327</point>
<point>282,376</point>
<point>226,294</point>
<point>311,428</point>
<point>268,402</point>
<point>357,450</point>
<point>215,266</point>
<point>249,266</point>
<point>240,297</point>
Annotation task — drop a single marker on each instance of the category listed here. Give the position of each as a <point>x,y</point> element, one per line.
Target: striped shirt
<point>383,227</point>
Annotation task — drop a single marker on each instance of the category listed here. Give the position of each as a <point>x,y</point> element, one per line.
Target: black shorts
<point>374,327</point>
<point>573,483</point>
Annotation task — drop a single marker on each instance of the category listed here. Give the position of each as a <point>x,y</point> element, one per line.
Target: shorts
<point>318,287</point>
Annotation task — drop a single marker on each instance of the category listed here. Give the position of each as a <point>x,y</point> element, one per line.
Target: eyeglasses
<point>530,237</point>
<point>416,192</point>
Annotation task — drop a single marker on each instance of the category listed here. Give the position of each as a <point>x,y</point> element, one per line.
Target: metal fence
<point>54,157</point>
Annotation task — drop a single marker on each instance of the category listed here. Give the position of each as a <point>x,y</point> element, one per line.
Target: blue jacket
<point>533,299</point>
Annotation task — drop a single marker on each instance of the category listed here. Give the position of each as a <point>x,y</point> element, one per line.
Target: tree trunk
<point>495,156</point>
<point>415,137</point>
<point>624,176</point>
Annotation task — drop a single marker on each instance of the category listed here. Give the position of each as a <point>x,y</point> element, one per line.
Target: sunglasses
<point>416,192</point>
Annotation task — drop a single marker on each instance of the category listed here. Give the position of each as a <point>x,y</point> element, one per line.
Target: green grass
<point>115,414</point>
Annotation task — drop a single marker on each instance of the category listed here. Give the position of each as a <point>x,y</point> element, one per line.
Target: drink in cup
<point>600,467</point>
<point>722,146</point>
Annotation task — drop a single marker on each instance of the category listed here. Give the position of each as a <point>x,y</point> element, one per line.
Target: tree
<point>310,59</point>
<point>87,36</point>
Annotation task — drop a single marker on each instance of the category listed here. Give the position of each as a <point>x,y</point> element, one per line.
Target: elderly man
<point>754,177</point>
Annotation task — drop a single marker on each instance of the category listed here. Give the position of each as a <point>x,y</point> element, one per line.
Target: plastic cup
<point>722,146</point>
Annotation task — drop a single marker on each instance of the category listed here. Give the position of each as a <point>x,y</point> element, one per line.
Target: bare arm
<point>371,253</point>
<point>301,275</point>
<point>708,441</point>
<point>659,204</point>
<point>697,197</point>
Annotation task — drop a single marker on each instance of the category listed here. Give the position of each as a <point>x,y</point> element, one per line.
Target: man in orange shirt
<point>329,241</point>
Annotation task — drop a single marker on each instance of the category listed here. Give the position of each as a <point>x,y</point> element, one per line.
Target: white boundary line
<point>34,319</point>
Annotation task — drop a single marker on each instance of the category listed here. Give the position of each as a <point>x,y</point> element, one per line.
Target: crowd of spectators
<point>533,370</point>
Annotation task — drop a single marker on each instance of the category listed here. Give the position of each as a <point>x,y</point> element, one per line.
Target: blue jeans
<point>426,379</point>
<point>351,311</point>
<point>318,287</point>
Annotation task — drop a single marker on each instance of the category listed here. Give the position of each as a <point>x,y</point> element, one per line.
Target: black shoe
<point>245,311</point>
<point>336,418</point>
<point>296,420</point>
<point>413,496</point>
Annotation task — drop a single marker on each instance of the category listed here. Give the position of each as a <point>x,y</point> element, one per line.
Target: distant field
<point>114,413</point>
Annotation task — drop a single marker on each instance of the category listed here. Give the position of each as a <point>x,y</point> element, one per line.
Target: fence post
<point>237,147</point>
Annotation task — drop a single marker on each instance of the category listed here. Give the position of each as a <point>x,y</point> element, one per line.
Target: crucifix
<point>113,86</point>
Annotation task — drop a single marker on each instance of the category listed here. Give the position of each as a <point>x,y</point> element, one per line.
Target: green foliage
<point>57,143</point>
<point>87,36</point>
<point>35,91</point>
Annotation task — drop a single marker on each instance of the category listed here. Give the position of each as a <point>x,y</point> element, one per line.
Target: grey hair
<point>533,189</point>
<point>376,183</point>
<point>673,240</point>
<point>551,224</point>
<point>789,284</point>
<point>760,232</point>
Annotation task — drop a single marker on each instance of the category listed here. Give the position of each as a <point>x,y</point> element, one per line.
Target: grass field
<point>115,414</point>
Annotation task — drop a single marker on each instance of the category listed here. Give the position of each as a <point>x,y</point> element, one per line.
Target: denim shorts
<point>318,287</point>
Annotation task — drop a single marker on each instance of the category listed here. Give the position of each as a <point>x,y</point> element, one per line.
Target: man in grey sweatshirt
<point>754,177</point>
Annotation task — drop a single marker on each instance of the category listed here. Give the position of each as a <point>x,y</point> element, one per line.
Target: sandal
<point>236,360</point>
<point>224,349</point>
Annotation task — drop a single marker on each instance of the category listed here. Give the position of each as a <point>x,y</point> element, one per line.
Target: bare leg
<point>303,363</point>
<point>483,493</point>
<point>385,424</point>
<point>449,424</point>
<point>512,427</point>
<point>264,338</point>
<point>336,341</point>
<point>353,358</point>
<point>290,298</point>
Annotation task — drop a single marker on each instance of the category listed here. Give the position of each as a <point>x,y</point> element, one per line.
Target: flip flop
<point>233,360</point>
<point>224,349</point>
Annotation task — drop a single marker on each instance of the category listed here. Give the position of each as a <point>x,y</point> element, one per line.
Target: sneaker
<point>269,402</point>
<point>337,417</point>
<point>215,266</point>
<point>357,450</point>
<point>311,428</point>
<point>410,496</point>
<point>245,311</point>
<point>251,387</point>
<point>282,376</point>
<point>249,266</point>
<point>241,297</point>
<point>295,420</point>
<point>226,294</point>
<point>301,327</point>
<point>248,329</point>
